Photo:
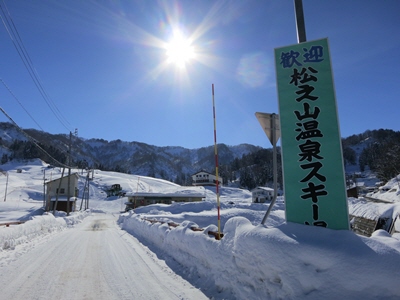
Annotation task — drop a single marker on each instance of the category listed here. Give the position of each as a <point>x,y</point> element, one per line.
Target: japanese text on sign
<point>307,127</point>
<point>311,150</point>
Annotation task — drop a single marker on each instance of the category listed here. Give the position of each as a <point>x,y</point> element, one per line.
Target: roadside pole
<point>69,174</point>
<point>270,125</point>
<point>5,194</point>
<point>216,166</point>
<point>44,187</point>
<point>300,24</point>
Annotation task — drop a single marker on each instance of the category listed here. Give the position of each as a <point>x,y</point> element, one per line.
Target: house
<point>204,178</point>
<point>180,194</point>
<point>54,188</point>
<point>262,194</point>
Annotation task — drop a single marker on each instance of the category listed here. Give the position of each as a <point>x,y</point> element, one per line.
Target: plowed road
<point>94,260</point>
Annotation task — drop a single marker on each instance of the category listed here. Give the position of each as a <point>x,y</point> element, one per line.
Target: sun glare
<point>179,50</point>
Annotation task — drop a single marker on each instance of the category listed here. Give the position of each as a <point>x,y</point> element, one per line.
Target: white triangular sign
<point>265,121</point>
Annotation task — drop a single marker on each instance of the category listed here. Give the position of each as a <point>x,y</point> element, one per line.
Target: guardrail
<point>7,224</point>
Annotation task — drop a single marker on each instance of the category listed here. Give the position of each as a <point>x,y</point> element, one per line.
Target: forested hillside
<point>245,165</point>
<point>378,150</point>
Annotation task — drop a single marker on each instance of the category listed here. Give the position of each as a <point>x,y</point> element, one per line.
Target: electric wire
<point>13,33</point>
<point>55,161</point>
<point>23,54</point>
<point>19,102</point>
<point>31,138</point>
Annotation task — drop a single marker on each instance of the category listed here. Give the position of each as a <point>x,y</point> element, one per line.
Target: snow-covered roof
<point>263,188</point>
<point>177,192</point>
<point>66,176</point>
<point>384,188</point>
<point>202,171</point>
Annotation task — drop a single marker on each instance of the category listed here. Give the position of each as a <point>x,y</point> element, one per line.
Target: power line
<point>9,90</point>
<point>55,161</point>
<point>23,54</point>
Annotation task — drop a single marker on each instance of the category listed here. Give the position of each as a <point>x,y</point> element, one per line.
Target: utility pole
<point>58,191</point>
<point>85,195</point>
<point>69,173</point>
<point>44,187</point>
<point>5,195</point>
<point>301,27</point>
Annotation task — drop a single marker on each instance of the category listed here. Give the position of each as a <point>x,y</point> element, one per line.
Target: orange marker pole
<point>216,165</point>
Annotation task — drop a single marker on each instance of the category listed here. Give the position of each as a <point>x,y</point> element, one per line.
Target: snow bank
<point>290,261</point>
<point>38,226</point>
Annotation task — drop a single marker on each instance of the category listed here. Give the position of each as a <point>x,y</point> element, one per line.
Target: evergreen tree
<point>4,158</point>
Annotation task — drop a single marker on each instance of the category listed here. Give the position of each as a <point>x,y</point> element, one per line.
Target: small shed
<point>59,186</point>
<point>262,194</point>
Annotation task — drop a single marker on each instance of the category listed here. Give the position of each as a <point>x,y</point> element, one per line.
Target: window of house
<point>62,191</point>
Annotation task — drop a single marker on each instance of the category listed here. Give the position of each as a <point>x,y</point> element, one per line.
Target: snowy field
<point>277,261</point>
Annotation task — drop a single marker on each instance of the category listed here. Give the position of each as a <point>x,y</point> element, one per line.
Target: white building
<point>205,178</point>
<point>262,194</point>
<point>178,194</point>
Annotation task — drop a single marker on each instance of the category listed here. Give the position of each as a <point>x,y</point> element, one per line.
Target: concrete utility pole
<point>5,194</point>
<point>44,187</point>
<point>301,27</point>
<point>58,191</point>
<point>69,173</point>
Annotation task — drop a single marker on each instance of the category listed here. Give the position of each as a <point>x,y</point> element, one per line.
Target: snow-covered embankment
<point>12,236</point>
<point>290,261</point>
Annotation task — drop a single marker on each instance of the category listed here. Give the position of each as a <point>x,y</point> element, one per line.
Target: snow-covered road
<point>94,260</point>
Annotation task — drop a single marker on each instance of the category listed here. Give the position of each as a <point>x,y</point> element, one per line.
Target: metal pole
<point>44,187</point>
<point>58,191</point>
<point>69,174</point>
<point>84,191</point>
<point>216,165</point>
<point>301,28</point>
<point>5,194</point>
<point>274,166</point>
<point>87,191</point>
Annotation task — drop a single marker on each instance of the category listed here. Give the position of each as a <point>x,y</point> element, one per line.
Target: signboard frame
<point>314,181</point>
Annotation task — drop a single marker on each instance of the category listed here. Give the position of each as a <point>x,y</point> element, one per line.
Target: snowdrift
<point>38,226</point>
<point>290,261</point>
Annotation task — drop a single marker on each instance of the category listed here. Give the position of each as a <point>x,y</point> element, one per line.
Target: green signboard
<point>314,182</point>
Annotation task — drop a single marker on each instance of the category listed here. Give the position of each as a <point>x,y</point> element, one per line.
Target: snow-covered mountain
<point>129,157</point>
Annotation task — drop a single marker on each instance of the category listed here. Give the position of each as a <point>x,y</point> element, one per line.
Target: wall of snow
<point>12,236</point>
<point>266,262</point>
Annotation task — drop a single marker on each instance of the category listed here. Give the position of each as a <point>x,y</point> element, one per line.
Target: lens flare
<point>179,50</point>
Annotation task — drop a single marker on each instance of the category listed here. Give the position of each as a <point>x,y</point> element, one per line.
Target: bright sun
<point>179,50</point>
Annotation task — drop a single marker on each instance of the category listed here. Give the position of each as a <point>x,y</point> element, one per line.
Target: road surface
<point>94,260</point>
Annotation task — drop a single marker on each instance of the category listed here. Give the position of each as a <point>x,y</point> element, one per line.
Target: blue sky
<point>104,67</point>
